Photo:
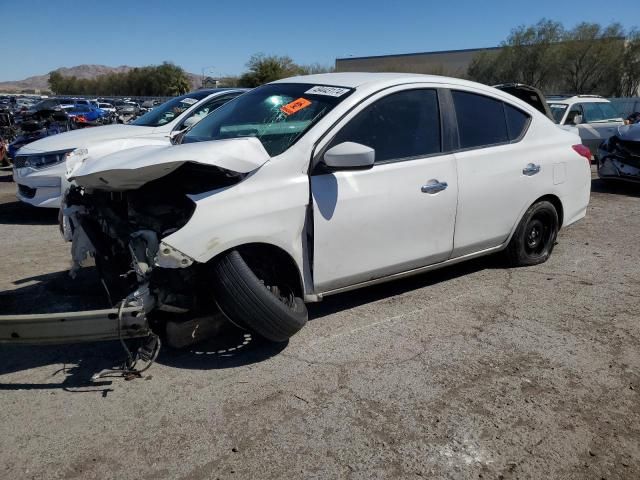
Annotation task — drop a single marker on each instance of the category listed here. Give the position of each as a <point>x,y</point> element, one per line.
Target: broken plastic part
<point>81,250</point>
<point>169,257</point>
<point>143,247</point>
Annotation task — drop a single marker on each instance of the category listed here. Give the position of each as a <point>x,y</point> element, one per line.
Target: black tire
<point>271,311</point>
<point>535,237</point>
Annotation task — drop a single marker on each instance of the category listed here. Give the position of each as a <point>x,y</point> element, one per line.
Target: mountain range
<point>40,82</point>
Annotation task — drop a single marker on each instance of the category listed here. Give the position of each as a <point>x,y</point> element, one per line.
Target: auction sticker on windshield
<point>189,101</point>
<point>295,106</point>
<point>330,91</point>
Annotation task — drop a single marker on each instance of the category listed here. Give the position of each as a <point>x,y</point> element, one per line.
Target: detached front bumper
<point>74,327</point>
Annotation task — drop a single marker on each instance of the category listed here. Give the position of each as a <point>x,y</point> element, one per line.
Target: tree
<point>156,80</point>
<point>630,85</point>
<point>315,68</point>
<point>56,82</point>
<point>265,69</point>
<point>527,56</point>
<point>592,59</point>
<point>589,58</point>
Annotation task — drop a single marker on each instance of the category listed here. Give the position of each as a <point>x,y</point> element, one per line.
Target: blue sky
<point>38,36</point>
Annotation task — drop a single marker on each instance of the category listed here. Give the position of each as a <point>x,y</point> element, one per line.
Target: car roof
<point>578,98</point>
<point>359,79</point>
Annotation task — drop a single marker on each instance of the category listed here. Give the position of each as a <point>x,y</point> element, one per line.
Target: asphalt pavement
<point>474,371</point>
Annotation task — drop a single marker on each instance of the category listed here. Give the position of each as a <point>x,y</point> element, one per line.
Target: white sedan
<point>314,185</point>
<point>39,167</point>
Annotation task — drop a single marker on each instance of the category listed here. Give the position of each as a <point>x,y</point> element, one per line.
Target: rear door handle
<point>531,169</point>
<point>433,186</point>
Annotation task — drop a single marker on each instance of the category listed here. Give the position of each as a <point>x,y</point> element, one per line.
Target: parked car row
<point>251,203</point>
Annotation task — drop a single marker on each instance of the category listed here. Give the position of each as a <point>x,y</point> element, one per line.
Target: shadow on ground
<point>344,301</point>
<point>232,348</point>
<point>18,213</point>
<point>615,187</point>
<point>55,292</point>
<point>81,362</point>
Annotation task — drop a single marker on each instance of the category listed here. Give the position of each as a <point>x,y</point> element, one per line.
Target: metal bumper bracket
<point>74,327</point>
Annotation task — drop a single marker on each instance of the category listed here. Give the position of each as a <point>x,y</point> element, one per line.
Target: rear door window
<point>481,120</point>
<point>399,126</point>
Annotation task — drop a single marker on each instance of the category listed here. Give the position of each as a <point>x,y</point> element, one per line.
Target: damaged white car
<point>314,185</point>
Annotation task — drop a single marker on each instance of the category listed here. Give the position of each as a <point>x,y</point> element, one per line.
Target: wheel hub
<point>533,239</point>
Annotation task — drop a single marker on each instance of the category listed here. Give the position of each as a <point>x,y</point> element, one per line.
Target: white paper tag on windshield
<point>189,101</point>
<point>329,91</point>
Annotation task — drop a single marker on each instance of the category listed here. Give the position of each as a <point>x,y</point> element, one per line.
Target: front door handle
<point>433,186</point>
<point>531,169</point>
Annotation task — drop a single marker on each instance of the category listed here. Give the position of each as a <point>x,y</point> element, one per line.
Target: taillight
<point>583,151</point>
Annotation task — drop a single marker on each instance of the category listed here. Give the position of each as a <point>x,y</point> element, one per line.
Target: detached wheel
<point>535,237</point>
<point>266,305</point>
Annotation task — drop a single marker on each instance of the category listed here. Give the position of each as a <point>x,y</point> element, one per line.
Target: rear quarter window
<point>517,122</point>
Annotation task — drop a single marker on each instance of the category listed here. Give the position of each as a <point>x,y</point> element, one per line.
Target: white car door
<point>497,173</point>
<point>398,214</point>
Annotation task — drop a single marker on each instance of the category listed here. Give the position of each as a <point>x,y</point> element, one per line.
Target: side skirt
<point>415,271</point>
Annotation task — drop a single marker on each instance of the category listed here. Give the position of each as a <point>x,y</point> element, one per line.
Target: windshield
<point>276,114</point>
<point>168,111</point>
<point>558,109</point>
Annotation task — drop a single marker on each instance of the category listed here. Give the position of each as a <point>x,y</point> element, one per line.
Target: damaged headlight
<point>75,158</point>
<point>42,160</point>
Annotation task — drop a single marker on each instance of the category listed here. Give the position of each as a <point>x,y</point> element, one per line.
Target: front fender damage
<point>116,215</point>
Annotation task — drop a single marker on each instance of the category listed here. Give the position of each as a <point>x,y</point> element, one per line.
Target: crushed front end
<point>619,156</point>
<point>123,231</point>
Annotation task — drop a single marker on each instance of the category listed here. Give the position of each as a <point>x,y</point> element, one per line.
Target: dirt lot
<point>471,372</point>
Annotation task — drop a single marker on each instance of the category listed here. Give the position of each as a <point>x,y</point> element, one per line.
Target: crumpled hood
<point>84,138</point>
<point>131,168</point>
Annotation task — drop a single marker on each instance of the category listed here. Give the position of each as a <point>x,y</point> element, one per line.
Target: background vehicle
<point>84,115</point>
<point>619,156</point>
<point>594,116</point>
<point>44,184</point>
<point>39,125</point>
<point>8,132</point>
<point>315,185</point>
<point>107,107</point>
<point>625,106</point>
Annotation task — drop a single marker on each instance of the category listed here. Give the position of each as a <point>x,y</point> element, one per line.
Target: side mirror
<point>175,136</point>
<point>577,120</point>
<point>191,121</point>
<point>349,155</point>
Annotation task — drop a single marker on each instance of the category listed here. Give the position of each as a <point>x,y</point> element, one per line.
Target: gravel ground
<point>474,371</point>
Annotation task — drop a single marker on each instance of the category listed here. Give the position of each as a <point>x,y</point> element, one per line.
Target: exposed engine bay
<point>123,231</point>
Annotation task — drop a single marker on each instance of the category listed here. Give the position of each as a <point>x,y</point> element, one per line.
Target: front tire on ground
<point>262,305</point>
<point>535,237</point>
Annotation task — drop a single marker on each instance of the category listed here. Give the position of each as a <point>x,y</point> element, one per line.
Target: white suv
<point>595,117</point>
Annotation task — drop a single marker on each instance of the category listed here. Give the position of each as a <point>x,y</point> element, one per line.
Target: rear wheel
<point>258,301</point>
<point>535,237</point>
